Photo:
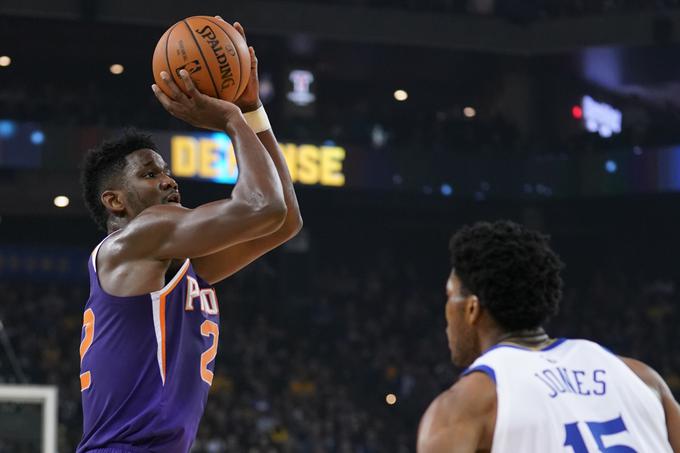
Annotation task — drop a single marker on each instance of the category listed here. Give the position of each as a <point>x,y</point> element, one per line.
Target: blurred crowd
<point>515,9</point>
<point>308,353</point>
<point>378,124</point>
<point>353,121</point>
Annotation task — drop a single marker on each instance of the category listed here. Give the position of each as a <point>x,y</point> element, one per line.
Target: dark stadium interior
<point>316,334</point>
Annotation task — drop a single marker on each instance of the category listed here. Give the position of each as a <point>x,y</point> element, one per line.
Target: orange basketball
<point>211,50</point>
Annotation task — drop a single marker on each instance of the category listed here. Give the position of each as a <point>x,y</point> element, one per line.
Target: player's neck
<point>116,224</point>
<point>525,337</point>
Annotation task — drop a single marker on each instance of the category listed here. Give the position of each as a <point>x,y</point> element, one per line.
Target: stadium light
<point>469,112</point>
<point>400,95</point>
<point>61,201</point>
<point>5,61</point>
<point>37,137</point>
<point>600,117</point>
<point>116,69</point>
<point>7,128</point>
<point>391,399</point>
<point>611,166</point>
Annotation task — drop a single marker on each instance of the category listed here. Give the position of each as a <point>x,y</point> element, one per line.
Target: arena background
<point>561,114</point>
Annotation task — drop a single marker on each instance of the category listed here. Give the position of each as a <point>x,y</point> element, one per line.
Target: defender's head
<point>505,278</point>
<point>122,177</point>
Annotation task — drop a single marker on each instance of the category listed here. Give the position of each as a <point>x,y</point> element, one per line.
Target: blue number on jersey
<point>598,429</point>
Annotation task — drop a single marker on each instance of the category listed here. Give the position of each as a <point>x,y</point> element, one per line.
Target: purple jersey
<point>146,364</point>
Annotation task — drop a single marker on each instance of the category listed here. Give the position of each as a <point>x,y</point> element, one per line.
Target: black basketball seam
<point>167,57</point>
<point>207,68</point>
<point>240,69</point>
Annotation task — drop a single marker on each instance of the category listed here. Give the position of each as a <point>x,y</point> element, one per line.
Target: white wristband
<point>258,120</point>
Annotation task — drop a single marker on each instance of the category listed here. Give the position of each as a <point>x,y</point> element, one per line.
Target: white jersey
<point>573,396</point>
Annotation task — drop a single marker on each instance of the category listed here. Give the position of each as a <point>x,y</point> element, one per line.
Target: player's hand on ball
<point>250,98</point>
<point>195,107</point>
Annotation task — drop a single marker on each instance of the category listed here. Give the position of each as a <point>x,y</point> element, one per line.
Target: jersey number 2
<point>88,337</point>
<point>598,429</point>
<point>209,328</point>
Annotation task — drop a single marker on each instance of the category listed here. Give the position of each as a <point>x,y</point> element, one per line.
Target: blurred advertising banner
<point>209,157</point>
<point>212,158</point>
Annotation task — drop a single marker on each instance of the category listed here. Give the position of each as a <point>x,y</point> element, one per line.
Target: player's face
<point>148,181</point>
<point>462,337</point>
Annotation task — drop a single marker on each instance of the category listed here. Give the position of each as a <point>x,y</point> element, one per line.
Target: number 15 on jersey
<point>599,431</point>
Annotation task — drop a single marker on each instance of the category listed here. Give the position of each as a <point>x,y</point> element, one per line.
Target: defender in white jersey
<point>523,392</point>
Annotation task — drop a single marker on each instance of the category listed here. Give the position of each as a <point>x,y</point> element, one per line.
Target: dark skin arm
<point>461,419</point>
<point>220,265</point>
<point>256,207</point>
<point>136,258</point>
<point>670,405</point>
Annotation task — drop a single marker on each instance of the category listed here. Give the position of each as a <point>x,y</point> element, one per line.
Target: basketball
<point>211,50</point>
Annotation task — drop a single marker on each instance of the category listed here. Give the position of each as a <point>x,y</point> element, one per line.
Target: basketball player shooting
<point>151,323</point>
<point>523,392</point>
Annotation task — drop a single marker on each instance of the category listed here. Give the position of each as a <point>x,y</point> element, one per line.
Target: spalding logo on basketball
<point>211,50</point>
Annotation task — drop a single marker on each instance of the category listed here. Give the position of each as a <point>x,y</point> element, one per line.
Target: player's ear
<point>113,201</point>
<point>473,309</point>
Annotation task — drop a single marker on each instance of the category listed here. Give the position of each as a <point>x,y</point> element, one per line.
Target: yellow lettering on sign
<point>210,159</point>
<point>184,152</point>
<point>209,155</point>
<point>308,164</point>
<point>331,166</point>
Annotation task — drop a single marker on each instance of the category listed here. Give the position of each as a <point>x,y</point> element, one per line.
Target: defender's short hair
<point>102,166</point>
<point>511,269</point>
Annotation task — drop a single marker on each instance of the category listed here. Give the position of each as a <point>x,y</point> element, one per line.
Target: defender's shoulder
<point>475,392</point>
<point>647,374</point>
<point>463,415</point>
<point>473,395</point>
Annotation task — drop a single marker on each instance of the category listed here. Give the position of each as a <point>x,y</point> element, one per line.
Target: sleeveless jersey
<point>146,364</point>
<point>573,396</point>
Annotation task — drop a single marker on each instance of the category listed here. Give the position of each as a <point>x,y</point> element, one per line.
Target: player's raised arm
<point>461,419</point>
<point>250,104</point>
<point>220,265</point>
<point>256,207</point>
<point>670,405</point>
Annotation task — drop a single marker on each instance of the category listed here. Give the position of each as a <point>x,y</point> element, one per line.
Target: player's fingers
<point>175,93</point>
<point>165,101</point>
<point>189,84</point>
<point>239,28</point>
<point>253,59</point>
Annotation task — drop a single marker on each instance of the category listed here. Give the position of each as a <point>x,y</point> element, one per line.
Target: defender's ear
<point>473,309</point>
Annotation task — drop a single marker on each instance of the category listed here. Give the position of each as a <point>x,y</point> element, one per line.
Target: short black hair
<point>511,269</point>
<point>102,164</point>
